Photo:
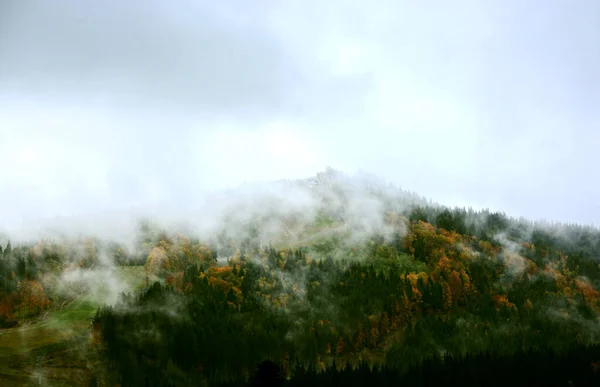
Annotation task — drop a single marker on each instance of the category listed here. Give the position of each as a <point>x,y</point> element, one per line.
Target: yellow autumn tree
<point>468,288</point>
<point>157,262</point>
<point>429,239</point>
<point>501,301</point>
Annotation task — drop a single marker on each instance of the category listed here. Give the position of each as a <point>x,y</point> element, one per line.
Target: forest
<point>375,285</point>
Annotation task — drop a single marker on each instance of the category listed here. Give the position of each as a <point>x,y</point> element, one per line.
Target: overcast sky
<point>109,104</point>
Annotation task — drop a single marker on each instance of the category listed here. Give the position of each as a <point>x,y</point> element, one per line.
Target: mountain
<point>334,272</point>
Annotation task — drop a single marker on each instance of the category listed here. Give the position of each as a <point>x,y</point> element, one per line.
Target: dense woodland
<point>432,295</point>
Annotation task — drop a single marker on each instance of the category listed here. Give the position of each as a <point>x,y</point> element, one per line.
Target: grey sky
<point>109,104</point>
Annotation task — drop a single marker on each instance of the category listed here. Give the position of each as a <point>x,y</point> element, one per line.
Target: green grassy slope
<point>55,345</point>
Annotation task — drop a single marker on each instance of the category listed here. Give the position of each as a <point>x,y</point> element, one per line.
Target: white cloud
<point>230,155</point>
<point>105,106</point>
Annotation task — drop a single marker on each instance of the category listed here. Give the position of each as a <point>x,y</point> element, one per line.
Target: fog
<point>109,109</point>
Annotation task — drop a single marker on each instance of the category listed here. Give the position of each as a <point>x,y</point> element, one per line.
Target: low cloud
<point>515,263</point>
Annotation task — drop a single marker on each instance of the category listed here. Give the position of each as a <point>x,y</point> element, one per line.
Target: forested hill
<point>330,273</point>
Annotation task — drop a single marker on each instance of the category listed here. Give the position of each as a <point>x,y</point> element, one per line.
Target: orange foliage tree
<point>32,298</point>
<point>8,304</point>
<point>456,286</point>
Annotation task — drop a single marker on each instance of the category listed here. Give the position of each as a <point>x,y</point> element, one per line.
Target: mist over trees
<point>326,277</point>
